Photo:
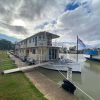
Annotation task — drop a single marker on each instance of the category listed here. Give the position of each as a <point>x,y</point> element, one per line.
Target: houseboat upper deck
<point>38,47</point>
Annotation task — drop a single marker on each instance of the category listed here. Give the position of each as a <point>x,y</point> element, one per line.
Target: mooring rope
<point>77,87</point>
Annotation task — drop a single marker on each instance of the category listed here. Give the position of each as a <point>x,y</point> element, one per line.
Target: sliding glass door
<point>52,53</point>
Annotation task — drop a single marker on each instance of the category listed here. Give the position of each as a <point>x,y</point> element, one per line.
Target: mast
<point>77,48</point>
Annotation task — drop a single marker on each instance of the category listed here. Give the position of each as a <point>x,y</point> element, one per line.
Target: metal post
<point>51,53</point>
<point>41,54</point>
<point>39,58</point>
<point>69,74</point>
<point>77,48</point>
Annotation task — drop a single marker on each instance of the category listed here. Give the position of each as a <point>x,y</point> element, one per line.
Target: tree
<point>6,45</point>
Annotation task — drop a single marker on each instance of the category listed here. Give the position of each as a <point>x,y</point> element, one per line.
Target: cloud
<point>31,12</point>
<point>82,22</point>
<point>16,29</point>
<point>67,18</point>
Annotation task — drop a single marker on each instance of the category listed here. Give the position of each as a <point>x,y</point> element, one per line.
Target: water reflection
<point>93,66</point>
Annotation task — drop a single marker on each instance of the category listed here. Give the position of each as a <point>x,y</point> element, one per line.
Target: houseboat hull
<point>62,69</point>
<point>76,68</point>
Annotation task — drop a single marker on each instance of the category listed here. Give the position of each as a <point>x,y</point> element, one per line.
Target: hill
<point>6,45</point>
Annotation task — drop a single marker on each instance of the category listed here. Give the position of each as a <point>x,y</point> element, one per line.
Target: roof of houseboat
<point>53,36</point>
<point>48,33</point>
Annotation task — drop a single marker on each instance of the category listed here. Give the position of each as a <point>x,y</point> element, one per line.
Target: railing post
<point>69,74</point>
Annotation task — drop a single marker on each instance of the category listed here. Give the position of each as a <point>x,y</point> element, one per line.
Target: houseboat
<point>39,48</point>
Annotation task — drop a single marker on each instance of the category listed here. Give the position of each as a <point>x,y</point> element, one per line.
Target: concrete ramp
<point>23,68</point>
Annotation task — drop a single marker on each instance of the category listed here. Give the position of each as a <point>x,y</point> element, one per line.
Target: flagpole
<point>77,48</point>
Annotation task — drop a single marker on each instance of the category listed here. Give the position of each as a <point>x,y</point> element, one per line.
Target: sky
<point>20,19</point>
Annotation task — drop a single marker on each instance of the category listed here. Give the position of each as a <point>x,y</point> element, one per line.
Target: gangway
<point>23,68</point>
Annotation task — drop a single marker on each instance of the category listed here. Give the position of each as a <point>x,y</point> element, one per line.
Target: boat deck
<point>63,65</point>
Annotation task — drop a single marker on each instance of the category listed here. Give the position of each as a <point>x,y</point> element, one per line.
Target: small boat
<point>92,55</point>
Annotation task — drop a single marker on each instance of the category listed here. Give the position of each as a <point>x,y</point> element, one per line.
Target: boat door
<point>52,53</point>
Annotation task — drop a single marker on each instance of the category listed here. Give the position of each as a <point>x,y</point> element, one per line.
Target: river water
<point>88,80</point>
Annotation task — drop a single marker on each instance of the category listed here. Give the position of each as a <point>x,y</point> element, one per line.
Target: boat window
<point>21,43</point>
<point>33,39</point>
<point>40,37</point>
<point>33,51</point>
<point>43,36</point>
<point>29,40</point>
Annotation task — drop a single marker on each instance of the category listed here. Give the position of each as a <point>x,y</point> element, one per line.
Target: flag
<point>81,45</point>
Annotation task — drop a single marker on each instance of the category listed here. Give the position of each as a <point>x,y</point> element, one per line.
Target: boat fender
<point>68,86</point>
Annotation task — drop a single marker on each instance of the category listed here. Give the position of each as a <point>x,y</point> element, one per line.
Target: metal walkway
<point>22,68</point>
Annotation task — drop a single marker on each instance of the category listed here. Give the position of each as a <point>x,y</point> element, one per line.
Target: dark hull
<point>93,59</point>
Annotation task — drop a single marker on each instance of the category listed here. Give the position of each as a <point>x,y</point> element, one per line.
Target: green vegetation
<point>6,45</point>
<point>16,86</point>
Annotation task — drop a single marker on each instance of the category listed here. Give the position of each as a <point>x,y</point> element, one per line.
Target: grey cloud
<point>86,25</point>
<point>14,29</point>
<point>18,29</point>
<point>29,11</point>
<point>33,9</point>
<point>7,9</point>
<point>7,14</point>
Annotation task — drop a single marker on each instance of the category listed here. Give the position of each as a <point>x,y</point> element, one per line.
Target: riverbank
<point>16,86</point>
<point>50,89</point>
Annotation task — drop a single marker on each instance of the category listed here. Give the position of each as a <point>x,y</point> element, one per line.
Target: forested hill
<point>6,45</point>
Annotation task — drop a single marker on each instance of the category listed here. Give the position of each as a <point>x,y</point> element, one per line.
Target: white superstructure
<point>38,47</point>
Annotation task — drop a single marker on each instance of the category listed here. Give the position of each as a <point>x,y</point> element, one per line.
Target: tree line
<point>6,45</point>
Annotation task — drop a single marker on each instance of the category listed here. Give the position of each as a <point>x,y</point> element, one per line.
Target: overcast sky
<point>67,18</point>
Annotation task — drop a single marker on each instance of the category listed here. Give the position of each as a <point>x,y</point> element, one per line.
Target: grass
<point>16,86</point>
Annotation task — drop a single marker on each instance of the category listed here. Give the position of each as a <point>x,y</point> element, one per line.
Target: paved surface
<point>50,89</point>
